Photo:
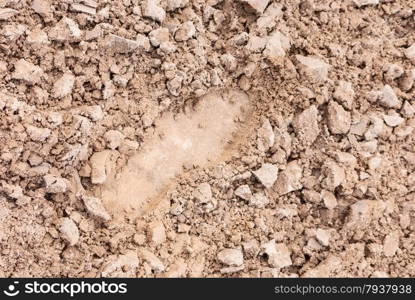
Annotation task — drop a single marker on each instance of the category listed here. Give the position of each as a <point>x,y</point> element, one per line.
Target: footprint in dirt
<point>200,137</point>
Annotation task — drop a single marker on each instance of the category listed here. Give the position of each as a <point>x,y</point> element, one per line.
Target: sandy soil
<point>190,138</point>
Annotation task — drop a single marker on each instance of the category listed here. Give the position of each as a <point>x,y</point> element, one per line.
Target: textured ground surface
<point>195,138</point>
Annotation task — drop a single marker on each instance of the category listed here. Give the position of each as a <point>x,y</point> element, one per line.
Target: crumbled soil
<point>190,138</point>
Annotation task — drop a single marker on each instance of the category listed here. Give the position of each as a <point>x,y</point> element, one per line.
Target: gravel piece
<point>231,257</point>
<point>69,231</point>
<point>95,208</point>
<point>267,174</point>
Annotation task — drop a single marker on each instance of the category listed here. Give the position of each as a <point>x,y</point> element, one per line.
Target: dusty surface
<point>190,138</point>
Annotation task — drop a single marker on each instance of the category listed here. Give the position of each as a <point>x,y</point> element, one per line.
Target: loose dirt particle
<point>153,10</point>
<point>6,13</point>
<point>279,256</point>
<point>267,174</point>
<point>102,165</point>
<point>289,180</point>
<point>276,47</point>
<point>391,243</point>
<point>393,120</point>
<point>365,211</point>
<point>323,237</point>
<point>186,31</point>
<point>335,176</point>
<point>306,125</point>
<point>329,199</point>
<point>55,184</point>
<point>326,268</point>
<point>95,208</point>
<point>28,72</point>
<point>266,136</point>
<point>244,192</point>
<point>338,119</point>
<point>361,3</point>
<point>66,30</point>
<point>38,134</point>
<point>313,68</point>
<point>42,7</point>
<point>121,266</point>
<point>344,93</point>
<point>114,139</point>
<point>259,200</point>
<point>156,233</point>
<point>152,260</point>
<point>64,85</point>
<point>388,98</point>
<point>69,231</point>
<point>231,257</point>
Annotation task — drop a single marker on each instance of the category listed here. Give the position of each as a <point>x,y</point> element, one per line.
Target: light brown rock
<point>323,236</point>
<point>175,4</point>
<point>185,32</point>
<point>42,7</point>
<point>277,46</point>
<point>102,164</point>
<point>393,120</point>
<point>7,13</point>
<point>63,86</point>
<point>156,233</point>
<point>159,36</point>
<point>313,68</point>
<point>122,45</point>
<point>83,8</point>
<point>121,266</point>
<point>259,200</point>
<point>152,260</point>
<point>306,125</point>
<point>95,208</point>
<point>344,93</point>
<point>114,139</point>
<point>267,174</point>
<point>338,119</point>
<point>391,243</point>
<point>363,212</point>
<point>66,30</point>
<point>361,3</point>
<point>407,81</point>
<point>37,38</point>
<point>55,184</point>
<point>251,248</point>
<point>69,231</point>
<point>289,180</point>
<point>231,257</point>
<point>327,268</point>
<point>279,256</point>
<point>244,192</point>
<point>28,72</point>
<point>204,197</point>
<point>266,136</point>
<point>38,134</point>
<point>152,9</point>
<point>334,175</point>
<point>388,98</point>
<point>329,199</point>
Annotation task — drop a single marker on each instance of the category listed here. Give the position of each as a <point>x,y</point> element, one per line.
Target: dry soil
<point>207,138</point>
